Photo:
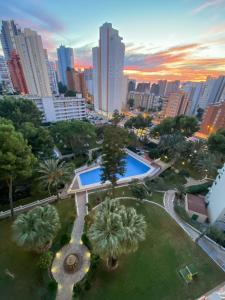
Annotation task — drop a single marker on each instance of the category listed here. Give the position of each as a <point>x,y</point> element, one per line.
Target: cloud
<point>207,4</point>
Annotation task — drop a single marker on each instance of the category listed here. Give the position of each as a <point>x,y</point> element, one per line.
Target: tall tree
<point>113,162</point>
<point>116,230</point>
<point>79,136</point>
<point>139,122</point>
<point>116,117</point>
<point>36,229</point>
<point>53,173</point>
<point>16,158</point>
<point>174,145</point>
<point>208,163</point>
<point>19,110</point>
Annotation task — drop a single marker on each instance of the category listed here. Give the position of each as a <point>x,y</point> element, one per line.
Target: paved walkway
<point>211,248</point>
<point>66,281</point>
<point>191,181</point>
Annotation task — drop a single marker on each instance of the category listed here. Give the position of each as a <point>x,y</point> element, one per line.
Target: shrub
<point>138,191</point>
<point>65,238</point>
<point>86,241</point>
<point>217,235</point>
<point>184,173</point>
<point>77,289</point>
<point>45,260</point>
<point>199,189</point>
<point>52,285</point>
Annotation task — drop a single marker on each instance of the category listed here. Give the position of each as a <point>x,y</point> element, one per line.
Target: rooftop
<point>196,204</point>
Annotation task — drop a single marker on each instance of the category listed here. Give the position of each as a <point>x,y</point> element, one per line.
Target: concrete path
<point>66,281</point>
<point>218,293</point>
<point>191,181</point>
<point>216,252</point>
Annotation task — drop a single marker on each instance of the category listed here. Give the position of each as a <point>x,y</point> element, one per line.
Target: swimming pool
<point>134,167</point>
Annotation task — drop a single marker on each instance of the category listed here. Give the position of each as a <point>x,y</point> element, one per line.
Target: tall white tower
<point>108,63</point>
<point>216,200</point>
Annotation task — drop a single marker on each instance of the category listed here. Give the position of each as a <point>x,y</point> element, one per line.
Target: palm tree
<point>36,229</point>
<point>116,230</point>
<point>53,172</point>
<point>173,144</point>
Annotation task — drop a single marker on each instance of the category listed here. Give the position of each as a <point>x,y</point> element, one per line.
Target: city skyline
<point>177,40</point>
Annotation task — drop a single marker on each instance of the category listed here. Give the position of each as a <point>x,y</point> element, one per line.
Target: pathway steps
<point>66,281</point>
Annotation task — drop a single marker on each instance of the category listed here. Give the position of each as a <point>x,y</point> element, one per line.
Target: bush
<point>184,173</point>
<point>138,191</point>
<point>77,289</point>
<point>199,189</point>
<point>86,241</point>
<point>45,260</point>
<point>52,286</point>
<point>65,238</point>
<point>217,235</point>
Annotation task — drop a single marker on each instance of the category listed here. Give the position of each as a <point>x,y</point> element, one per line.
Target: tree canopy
<point>180,124</point>
<point>77,136</point>
<point>16,158</point>
<point>216,142</point>
<point>20,110</point>
<point>138,122</point>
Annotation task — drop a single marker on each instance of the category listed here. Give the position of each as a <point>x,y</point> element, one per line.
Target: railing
<point>22,208</point>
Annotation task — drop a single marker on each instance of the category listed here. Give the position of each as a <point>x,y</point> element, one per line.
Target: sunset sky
<point>165,39</point>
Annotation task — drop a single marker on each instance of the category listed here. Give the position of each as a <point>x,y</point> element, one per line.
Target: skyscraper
<point>51,74</point>
<point>131,85</point>
<point>16,71</point>
<point>5,79</point>
<point>143,87</point>
<point>177,104</point>
<point>8,32</point>
<point>65,60</point>
<point>208,86</point>
<point>30,49</point>
<point>172,87</point>
<point>162,87</point>
<point>108,63</point>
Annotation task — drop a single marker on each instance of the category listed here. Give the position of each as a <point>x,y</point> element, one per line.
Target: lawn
<point>28,282</point>
<point>152,272</point>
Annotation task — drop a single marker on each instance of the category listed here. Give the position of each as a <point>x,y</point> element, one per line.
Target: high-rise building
<point>194,90</point>
<point>131,85</point>
<point>51,74</point>
<point>143,87</point>
<point>177,104</point>
<point>108,63</point>
<point>215,200</point>
<point>162,87</point>
<point>217,90</point>
<point>5,79</point>
<point>207,88</point>
<point>146,101</point>
<point>88,77</point>
<point>172,87</point>
<point>30,49</point>
<point>17,75</point>
<point>213,118</point>
<point>155,89</point>
<point>65,60</point>
<point>8,32</point>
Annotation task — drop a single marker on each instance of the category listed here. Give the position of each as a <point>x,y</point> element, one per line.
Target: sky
<point>164,39</point>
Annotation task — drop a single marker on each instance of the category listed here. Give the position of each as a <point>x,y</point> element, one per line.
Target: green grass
<point>29,282</point>
<point>156,197</point>
<point>152,272</point>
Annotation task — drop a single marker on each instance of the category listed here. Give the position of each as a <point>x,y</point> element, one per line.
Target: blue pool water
<point>133,167</point>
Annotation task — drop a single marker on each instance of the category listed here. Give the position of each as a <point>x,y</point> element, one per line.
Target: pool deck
<point>155,170</point>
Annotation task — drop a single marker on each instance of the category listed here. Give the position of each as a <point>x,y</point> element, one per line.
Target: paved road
<point>66,281</point>
<point>216,252</point>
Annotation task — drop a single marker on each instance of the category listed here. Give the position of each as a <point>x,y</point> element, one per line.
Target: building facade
<point>172,87</point>
<point>61,108</point>
<point>9,31</point>
<point>5,79</point>
<point>215,200</point>
<point>17,75</point>
<point>213,118</point>
<point>176,104</point>
<point>65,60</point>
<point>146,101</point>
<point>108,63</point>
<point>30,49</point>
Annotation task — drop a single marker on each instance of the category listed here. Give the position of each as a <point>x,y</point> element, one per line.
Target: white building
<point>206,91</point>
<point>88,77</point>
<point>108,63</point>
<point>5,79</point>
<point>51,74</point>
<point>61,108</point>
<point>30,49</point>
<point>216,200</point>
